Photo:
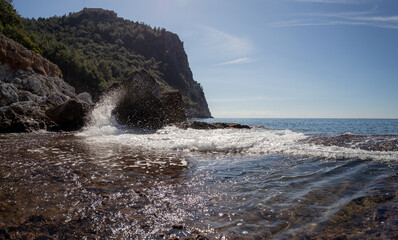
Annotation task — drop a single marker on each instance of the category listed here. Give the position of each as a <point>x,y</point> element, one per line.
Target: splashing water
<point>102,122</point>
<point>103,128</point>
<point>222,184</point>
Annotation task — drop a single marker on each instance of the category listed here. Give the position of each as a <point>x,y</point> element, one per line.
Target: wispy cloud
<point>303,23</point>
<point>222,44</point>
<point>331,1</point>
<point>236,61</point>
<point>360,18</point>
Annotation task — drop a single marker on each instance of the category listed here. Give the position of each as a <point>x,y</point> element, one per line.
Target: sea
<point>281,179</point>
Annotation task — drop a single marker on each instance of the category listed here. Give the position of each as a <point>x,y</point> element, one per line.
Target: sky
<point>275,58</point>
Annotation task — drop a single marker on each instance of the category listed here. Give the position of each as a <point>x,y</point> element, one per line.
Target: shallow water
<point>219,183</point>
<point>109,182</point>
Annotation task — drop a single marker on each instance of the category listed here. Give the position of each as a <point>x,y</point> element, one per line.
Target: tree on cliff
<point>95,48</point>
<point>11,26</point>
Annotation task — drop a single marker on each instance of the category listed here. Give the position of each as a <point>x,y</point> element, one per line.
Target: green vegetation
<point>11,26</point>
<point>94,48</point>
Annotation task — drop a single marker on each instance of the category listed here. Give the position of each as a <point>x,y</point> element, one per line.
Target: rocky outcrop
<point>158,51</point>
<point>19,58</point>
<point>204,125</point>
<point>32,94</point>
<point>70,115</point>
<point>142,103</point>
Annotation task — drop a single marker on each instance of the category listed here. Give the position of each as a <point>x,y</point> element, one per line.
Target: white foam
<point>231,141</point>
<point>101,120</point>
<point>103,129</point>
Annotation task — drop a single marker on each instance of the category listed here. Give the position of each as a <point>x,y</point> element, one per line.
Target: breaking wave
<point>104,129</point>
<point>231,141</point>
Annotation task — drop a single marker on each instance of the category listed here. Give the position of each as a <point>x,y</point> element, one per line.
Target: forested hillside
<point>11,26</point>
<point>95,48</point>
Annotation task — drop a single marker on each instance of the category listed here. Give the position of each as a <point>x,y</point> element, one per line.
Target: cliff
<point>33,95</point>
<point>95,48</point>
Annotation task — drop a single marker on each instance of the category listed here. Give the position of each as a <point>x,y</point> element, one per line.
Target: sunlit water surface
<point>109,182</point>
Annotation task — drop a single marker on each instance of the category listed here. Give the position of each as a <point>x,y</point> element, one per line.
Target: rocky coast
<point>33,95</point>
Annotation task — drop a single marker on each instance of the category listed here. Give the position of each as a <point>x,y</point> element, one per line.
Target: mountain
<point>95,48</point>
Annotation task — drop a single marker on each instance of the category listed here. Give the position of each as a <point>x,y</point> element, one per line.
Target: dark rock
<point>70,115</point>
<point>173,106</point>
<point>36,218</point>
<point>178,226</point>
<point>220,125</point>
<point>8,94</point>
<point>204,125</point>
<point>4,234</point>
<point>23,117</point>
<point>28,96</point>
<point>31,87</point>
<point>141,103</point>
<point>54,99</point>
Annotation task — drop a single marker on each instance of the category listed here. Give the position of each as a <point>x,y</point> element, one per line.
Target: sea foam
<point>233,141</point>
<point>103,129</point>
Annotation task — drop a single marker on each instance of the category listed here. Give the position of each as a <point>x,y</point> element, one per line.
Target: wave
<point>103,129</point>
<point>254,141</point>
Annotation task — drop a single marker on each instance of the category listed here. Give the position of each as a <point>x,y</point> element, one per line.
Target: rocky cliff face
<point>32,93</point>
<point>179,76</point>
<point>95,48</point>
<point>19,58</point>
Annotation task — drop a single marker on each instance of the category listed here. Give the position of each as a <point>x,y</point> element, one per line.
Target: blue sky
<point>275,58</point>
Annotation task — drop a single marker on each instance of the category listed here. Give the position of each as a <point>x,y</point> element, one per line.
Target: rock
<point>8,94</point>
<point>19,58</point>
<point>173,106</point>
<point>365,142</point>
<point>55,99</point>
<point>204,125</point>
<point>70,115</point>
<point>23,117</point>
<point>85,97</point>
<point>163,48</point>
<point>141,103</point>
<point>31,91</point>
<point>220,125</point>
<point>28,96</point>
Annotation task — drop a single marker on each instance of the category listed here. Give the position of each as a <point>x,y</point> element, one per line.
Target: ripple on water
<point>66,185</point>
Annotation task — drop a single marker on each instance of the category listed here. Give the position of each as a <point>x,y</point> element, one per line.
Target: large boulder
<point>33,96</point>
<point>70,115</point>
<point>173,106</point>
<point>142,103</point>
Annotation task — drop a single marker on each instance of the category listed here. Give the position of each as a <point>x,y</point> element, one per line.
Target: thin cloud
<point>222,44</point>
<point>331,1</point>
<point>360,18</point>
<point>236,61</point>
<point>299,23</point>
